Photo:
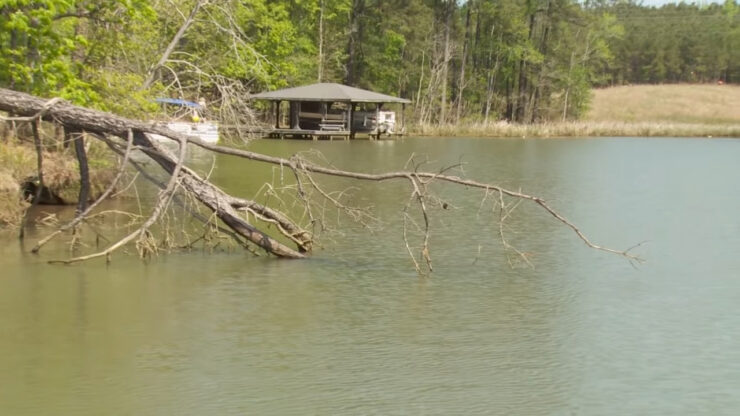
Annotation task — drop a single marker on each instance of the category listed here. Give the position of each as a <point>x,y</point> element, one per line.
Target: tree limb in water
<point>163,200</point>
<point>80,216</point>
<point>226,207</point>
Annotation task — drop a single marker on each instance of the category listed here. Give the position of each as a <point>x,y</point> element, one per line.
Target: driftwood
<point>122,134</point>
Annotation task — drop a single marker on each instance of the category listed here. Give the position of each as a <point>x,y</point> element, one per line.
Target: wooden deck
<point>306,134</point>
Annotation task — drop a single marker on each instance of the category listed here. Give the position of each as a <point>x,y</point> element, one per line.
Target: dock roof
<point>328,92</point>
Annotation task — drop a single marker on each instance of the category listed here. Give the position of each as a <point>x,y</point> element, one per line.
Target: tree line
<point>474,60</point>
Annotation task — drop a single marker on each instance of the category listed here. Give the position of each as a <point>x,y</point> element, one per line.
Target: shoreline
<point>582,129</point>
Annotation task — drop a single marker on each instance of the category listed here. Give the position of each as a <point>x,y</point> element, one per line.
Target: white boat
<point>365,121</point>
<point>206,131</point>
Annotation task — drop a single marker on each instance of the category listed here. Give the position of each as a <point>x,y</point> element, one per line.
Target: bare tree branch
<point>173,43</point>
<point>225,206</point>
<point>40,173</point>
<point>84,214</point>
<point>142,232</point>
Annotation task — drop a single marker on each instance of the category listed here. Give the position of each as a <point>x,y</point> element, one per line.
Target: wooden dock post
<point>350,114</point>
<point>403,119</point>
<point>277,114</point>
<point>295,110</point>
<point>377,121</point>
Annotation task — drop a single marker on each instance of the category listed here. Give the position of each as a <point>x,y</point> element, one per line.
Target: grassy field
<point>681,103</point>
<point>580,129</point>
<point>679,110</point>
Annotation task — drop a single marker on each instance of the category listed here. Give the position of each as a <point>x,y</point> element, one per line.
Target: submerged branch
<point>163,201</point>
<point>84,214</point>
<point>226,207</point>
<point>39,172</point>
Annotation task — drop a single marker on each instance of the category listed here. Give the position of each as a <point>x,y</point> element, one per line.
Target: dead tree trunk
<point>448,10</point>
<point>463,60</point>
<point>84,169</point>
<point>123,134</point>
<point>215,199</point>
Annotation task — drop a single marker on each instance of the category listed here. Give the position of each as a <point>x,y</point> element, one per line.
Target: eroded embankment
<point>19,179</point>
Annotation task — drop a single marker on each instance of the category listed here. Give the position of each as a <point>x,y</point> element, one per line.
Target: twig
<point>142,232</point>
<point>82,215</point>
<point>176,200</point>
<point>40,172</point>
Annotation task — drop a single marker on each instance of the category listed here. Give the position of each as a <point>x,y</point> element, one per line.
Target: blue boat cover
<point>177,101</point>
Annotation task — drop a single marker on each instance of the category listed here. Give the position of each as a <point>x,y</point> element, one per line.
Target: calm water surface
<point>354,331</point>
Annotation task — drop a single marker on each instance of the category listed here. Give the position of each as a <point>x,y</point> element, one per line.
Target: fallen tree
<point>124,136</point>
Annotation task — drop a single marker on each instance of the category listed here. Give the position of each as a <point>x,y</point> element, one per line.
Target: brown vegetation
<point>684,110</point>
<point>580,129</point>
<point>11,204</point>
<point>60,172</point>
<point>690,104</point>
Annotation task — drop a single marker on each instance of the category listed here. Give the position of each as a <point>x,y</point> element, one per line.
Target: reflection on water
<point>354,331</point>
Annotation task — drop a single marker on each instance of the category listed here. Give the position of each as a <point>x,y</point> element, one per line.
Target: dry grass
<point>18,162</point>
<point>580,129</point>
<point>683,110</point>
<point>61,174</point>
<point>678,103</point>
<point>11,203</point>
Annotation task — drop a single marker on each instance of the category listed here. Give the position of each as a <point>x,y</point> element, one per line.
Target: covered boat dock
<point>329,110</point>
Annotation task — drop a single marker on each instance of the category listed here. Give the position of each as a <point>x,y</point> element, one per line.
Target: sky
<point>662,2</point>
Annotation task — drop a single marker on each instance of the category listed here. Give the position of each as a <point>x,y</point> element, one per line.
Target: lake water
<point>355,331</point>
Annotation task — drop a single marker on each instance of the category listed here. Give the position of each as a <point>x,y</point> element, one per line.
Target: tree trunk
<point>353,42</point>
<point>81,155</point>
<point>521,103</point>
<point>461,81</point>
<point>321,41</point>
<point>446,62</point>
<point>541,87</point>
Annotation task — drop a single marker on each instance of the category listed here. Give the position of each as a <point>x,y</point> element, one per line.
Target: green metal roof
<point>328,92</point>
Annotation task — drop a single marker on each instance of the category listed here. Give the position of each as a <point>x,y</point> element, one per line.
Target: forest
<point>478,60</point>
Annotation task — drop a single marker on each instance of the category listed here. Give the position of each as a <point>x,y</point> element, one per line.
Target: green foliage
<point>676,43</point>
<point>123,93</point>
<point>36,45</point>
<point>479,59</point>
<point>44,44</point>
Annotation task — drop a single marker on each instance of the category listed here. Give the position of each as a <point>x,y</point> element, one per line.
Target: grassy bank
<point>11,203</point>
<point>580,129</point>
<point>699,110</point>
<point>60,169</point>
